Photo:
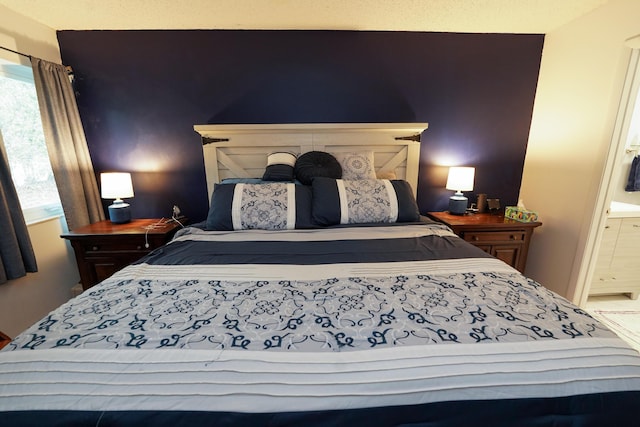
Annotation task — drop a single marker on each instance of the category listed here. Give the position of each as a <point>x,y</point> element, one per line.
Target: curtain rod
<point>68,67</point>
<point>16,52</point>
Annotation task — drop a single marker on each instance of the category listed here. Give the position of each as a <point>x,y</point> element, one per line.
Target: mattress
<point>385,325</point>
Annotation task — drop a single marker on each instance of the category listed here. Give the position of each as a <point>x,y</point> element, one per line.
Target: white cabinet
<point>618,265</point>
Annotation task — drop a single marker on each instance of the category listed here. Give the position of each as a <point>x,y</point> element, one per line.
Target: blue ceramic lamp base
<point>458,204</point>
<point>119,212</point>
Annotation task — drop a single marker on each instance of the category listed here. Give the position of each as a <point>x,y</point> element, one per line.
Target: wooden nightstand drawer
<point>494,236</point>
<point>112,246</point>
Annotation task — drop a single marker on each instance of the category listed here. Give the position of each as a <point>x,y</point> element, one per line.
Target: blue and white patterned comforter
<point>259,321</point>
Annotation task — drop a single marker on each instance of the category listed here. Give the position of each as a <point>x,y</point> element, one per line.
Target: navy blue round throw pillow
<point>316,163</point>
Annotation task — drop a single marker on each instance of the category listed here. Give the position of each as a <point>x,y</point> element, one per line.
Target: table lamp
<point>460,179</point>
<point>117,185</point>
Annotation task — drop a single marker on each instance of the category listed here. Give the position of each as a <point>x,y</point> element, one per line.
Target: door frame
<point>610,174</point>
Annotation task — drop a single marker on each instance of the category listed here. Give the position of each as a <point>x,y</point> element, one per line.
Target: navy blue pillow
<point>362,201</point>
<point>279,167</point>
<point>259,206</point>
<point>316,164</point>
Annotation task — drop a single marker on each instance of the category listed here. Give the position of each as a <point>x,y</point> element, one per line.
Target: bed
<point>330,315</point>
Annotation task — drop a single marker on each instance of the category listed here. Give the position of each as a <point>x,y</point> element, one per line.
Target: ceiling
<point>475,16</point>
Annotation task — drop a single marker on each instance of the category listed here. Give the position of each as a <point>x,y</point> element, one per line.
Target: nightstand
<point>504,238</point>
<point>4,340</point>
<point>103,248</point>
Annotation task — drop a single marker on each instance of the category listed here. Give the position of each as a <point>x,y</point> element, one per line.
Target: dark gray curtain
<point>66,144</point>
<point>16,253</point>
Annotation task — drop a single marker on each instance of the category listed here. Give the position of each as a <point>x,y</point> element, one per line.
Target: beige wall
<point>27,36</point>
<point>26,300</point>
<point>582,73</point>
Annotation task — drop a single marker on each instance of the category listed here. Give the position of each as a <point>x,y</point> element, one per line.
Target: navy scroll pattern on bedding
<point>324,315</point>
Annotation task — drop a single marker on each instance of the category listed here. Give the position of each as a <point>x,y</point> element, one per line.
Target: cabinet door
<point>625,262</point>
<point>103,268</point>
<point>98,267</point>
<point>508,254</point>
<point>608,244</point>
<point>487,248</point>
<point>617,269</point>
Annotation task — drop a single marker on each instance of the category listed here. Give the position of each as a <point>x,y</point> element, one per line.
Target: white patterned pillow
<point>357,165</point>
<point>264,207</point>
<point>368,200</point>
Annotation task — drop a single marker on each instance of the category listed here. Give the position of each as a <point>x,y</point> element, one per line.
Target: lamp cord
<point>160,223</point>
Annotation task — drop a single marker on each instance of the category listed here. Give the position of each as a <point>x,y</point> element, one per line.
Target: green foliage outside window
<point>21,128</point>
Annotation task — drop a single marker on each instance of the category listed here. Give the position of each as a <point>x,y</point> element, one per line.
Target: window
<point>23,138</point>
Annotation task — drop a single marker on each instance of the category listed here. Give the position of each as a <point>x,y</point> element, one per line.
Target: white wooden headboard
<point>240,151</point>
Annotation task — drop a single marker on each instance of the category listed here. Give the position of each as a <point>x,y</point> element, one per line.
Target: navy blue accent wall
<point>140,93</point>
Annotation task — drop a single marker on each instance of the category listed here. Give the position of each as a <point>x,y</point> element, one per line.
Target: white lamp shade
<point>116,185</point>
<point>460,178</point>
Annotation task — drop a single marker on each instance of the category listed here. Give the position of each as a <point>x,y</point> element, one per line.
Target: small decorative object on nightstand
<point>504,238</point>
<point>105,247</point>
